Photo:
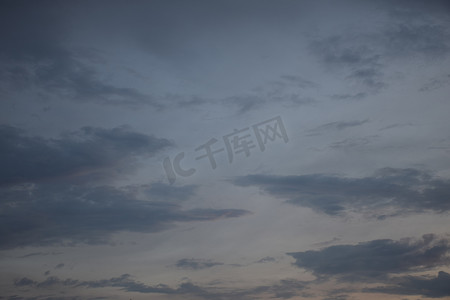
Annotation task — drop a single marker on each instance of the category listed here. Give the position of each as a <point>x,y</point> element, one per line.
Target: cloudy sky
<point>214,150</point>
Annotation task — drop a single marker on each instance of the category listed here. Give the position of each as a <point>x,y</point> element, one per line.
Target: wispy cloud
<point>284,289</point>
<point>401,190</point>
<point>339,125</point>
<point>196,264</point>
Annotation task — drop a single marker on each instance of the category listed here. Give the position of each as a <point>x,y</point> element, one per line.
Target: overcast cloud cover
<point>225,149</point>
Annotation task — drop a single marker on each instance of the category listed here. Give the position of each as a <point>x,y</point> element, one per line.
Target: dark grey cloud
<point>287,90</point>
<point>339,297</point>
<point>343,124</point>
<point>417,7</point>
<point>441,144</point>
<point>39,254</point>
<point>186,26</point>
<point>363,57</point>
<point>353,143</point>
<point>349,97</point>
<point>434,287</point>
<point>245,103</point>
<point>370,76</point>
<point>377,259</point>
<point>284,289</point>
<point>429,41</point>
<point>401,190</point>
<point>266,259</point>
<point>52,281</point>
<point>251,102</point>
<point>66,214</point>
<point>34,54</point>
<point>336,52</point>
<point>361,63</point>
<point>295,81</point>
<point>38,53</point>
<point>89,150</point>
<point>396,125</point>
<point>436,83</point>
<point>24,282</point>
<point>53,297</point>
<point>196,264</point>
<point>339,125</point>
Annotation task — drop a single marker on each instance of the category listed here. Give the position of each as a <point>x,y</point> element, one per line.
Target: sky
<point>214,150</point>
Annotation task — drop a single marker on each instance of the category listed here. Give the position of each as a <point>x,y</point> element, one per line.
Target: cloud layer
<point>400,191</point>
<point>375,259</point>
<point>88,150</point>
<point>66,214</point>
